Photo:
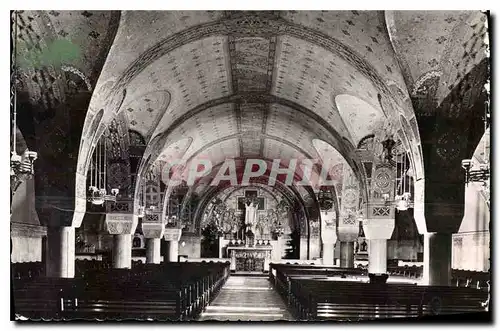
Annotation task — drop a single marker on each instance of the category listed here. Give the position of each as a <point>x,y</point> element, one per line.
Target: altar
<point>250,259</point>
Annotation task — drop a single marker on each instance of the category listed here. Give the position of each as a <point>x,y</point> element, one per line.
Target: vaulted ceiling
<point>233,84</point>
<point>248,84</point>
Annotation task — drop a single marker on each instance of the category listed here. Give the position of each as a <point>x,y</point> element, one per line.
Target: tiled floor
<point>245,298</point>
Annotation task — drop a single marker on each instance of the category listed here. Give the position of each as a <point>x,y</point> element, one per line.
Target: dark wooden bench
<point>320,300</point>
<point>312,296</point>
<point>171,291</point>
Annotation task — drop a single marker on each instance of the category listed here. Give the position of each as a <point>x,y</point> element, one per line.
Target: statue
<point>251,215</point>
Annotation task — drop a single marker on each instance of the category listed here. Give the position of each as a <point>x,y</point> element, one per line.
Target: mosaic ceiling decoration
<point>246,84</point>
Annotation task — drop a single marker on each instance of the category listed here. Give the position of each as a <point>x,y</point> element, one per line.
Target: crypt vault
<point>157,86</point>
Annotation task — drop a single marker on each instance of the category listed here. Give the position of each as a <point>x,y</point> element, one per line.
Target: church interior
<point>364,137</point>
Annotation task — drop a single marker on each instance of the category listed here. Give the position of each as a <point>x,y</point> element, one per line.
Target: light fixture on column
<point>479,171</point>
<point>150,210</point>
<point>21,166</point>
<point>173,222</point>
<point>480,174</point>
<point>386,197</point>
<point>97,190</point>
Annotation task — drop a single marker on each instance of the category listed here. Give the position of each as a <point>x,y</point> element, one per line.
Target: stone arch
<point>326,150</point>
<point>203,204</point>
<point>350,107</point>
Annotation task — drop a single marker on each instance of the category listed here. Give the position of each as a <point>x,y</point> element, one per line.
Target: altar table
<point>253,259</point>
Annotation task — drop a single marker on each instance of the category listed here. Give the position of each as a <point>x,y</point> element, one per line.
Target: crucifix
<point>249,204</point>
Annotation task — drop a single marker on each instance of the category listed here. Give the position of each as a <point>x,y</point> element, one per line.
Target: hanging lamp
<point>97,189</point>
<point>403,200</point>
<point>21,166</point>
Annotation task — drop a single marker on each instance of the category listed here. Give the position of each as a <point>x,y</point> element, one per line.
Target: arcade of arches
<point>385,103</point>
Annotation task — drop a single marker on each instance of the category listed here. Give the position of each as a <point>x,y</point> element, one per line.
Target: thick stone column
<point>122,251</point>
<point>377,256</point>
<point>328,236</point>
<point>153,250</point>
<point>328,254</point>
<point>347,254</point>
<point>172,251</point>
<point>60,254</point>
<point>122,226</point>
<point>172,236</point>
<point>348,225</point>
<point>379,223</point>
<point>378,231</point>
<point>437,259</point>
<point>153,232</point>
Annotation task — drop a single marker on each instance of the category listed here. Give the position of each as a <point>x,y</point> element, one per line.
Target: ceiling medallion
<point>448,146</point>
<point>383,179</point>
<point>349,197</point>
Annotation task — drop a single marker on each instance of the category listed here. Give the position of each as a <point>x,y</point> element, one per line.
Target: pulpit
<point>250,259</point>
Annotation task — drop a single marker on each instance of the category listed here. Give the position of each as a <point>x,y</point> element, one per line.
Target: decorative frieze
<point>153,230</point>
<point>378,228</point>
<point>120,223</point>
<point>172,234</point>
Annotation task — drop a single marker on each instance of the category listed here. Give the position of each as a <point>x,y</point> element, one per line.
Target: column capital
<point>153,230</point>
<point>378,228</point>
<point>348,228</point>
<point>121,223</point>
<point>172,234</point>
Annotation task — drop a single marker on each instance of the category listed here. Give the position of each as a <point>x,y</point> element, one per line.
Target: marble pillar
<point>60,252</point>
<point>153,232</point>
<point>122,251</point>
<point>172,237</point>
<point>153,250</point>
<point>378,229</point>
<point>172,251</point>
<point>328,254</point>
<point>437,259</point>
<point>122,226</point>
<point>377,256</point>
<point>347,254</point>
<point>328,236</point>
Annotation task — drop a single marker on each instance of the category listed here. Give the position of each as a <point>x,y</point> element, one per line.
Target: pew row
<point>310,295</point>
<point>171,291</point>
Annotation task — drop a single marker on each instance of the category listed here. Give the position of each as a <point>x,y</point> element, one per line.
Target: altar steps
<point>247,298</point>
<point>252,274</point>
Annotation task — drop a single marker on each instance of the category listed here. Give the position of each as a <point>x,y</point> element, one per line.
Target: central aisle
<point>247,299</point>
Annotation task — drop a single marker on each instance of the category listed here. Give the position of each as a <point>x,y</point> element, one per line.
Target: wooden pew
<point>314,297</point>
<point>284,271</point>
<point>171,291</point>
<point>324,300</point>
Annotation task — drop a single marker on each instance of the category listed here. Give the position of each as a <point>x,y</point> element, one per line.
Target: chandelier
<point>402,199</point>
<point>387,152</point>
<point>21,166</point>
<point>97,188</point>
